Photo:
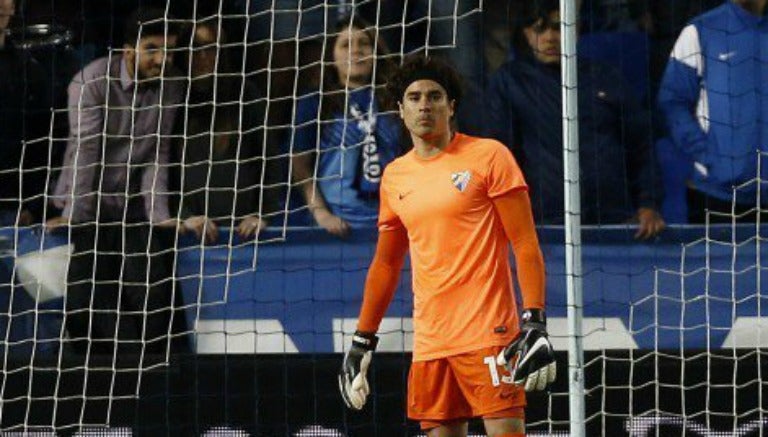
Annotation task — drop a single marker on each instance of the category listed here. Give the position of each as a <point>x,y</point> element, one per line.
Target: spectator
<point>345,129</point>
<point>524,100</point>
<point>113,189</point>
<point>222,153</point>
<point>24,116</point>
<point>712,95</point>
<point>285,46</point>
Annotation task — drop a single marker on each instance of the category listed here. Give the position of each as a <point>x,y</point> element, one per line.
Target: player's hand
<point>333,224</point>
<point>530,357</point>
<point>353,379</point>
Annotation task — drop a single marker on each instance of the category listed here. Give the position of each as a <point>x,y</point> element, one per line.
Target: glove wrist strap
<point>535,317</point>
<point>365,340</point>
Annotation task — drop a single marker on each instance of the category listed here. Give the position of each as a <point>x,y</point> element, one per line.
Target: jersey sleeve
<point>388,219</point>
<point>503,173</point>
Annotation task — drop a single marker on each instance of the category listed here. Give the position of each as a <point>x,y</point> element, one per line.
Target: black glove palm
<point>530,357</point>
<point>353,381</point>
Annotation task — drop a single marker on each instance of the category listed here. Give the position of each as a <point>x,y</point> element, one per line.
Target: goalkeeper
<point>456,202</point>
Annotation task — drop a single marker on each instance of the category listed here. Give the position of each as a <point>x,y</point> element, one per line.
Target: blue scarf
<point>370,169</point>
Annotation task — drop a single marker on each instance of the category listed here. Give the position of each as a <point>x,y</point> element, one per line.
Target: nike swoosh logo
<point>506,394</point>
<point>726,56</point>
<point>402,196</point>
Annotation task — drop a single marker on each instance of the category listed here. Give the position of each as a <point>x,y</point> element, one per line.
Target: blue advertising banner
<point>692,288</point>
<point>301,292</point>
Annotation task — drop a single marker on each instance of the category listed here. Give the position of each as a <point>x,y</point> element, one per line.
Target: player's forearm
<point>530,274</point>
<point>382,280</point>
<point>380,287</point>
<point>514,210</point>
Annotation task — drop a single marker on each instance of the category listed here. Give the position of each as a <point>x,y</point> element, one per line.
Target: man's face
<point>7,9</point>
<point>426,110</point>
<point>204,58</point>
<point>544,39</point>
<point>149,57</point>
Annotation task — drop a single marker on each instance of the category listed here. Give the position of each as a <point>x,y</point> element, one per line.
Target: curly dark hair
<point>416,67</point>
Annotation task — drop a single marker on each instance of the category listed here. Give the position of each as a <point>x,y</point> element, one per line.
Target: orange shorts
<point>461,387</point>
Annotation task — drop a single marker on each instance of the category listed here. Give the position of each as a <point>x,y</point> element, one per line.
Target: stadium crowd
<point>195,117</point>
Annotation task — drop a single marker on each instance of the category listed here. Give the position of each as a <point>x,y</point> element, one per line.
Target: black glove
<point>353,382</point>
<point>530,357</point>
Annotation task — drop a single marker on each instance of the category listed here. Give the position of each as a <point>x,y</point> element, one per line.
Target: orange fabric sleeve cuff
<point>514,209</point>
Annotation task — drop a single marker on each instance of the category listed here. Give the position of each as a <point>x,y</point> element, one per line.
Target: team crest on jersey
<point>460,179</point>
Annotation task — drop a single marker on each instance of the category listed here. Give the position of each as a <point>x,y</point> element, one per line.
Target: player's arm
<point>514,210</point>
<point>530,355</point>
<point>380,285</point>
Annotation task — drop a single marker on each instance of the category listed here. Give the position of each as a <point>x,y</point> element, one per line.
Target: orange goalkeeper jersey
<point>462,285</point>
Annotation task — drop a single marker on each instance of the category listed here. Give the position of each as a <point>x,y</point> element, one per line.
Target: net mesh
<point>117,324</point>
<point>108,311</point>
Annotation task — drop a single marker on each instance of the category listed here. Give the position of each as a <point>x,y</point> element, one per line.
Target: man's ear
<point>400,110</point>
<point>452,106</point>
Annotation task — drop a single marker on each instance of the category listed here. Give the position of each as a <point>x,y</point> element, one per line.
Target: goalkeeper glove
<point>353,382</point>
<point>530,357</point>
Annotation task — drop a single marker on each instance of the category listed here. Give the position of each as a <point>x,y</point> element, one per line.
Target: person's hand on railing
<point>250,226</point>
<point>203,228</point>
<point>26,218</point>
<point>649,223</point>
<point>55,223</point>
<point>333,224</point>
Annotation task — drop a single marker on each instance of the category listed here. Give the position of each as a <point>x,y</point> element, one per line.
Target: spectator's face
<point>150,56</point>
<point>544,39</point>
<point>204,54</point>
<point>426,110</point>
<point>7,9</point>
<point>353,57</point>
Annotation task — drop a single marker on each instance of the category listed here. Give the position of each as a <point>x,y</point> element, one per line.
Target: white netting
<point>106,308</point>
<point>232,328</point>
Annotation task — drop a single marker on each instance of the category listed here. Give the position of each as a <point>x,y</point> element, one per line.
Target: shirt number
<point>494,371</point>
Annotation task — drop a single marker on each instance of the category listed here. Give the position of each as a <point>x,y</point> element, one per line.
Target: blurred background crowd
<point>278,95</point>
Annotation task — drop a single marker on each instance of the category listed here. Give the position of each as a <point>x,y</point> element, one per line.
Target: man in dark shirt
<point>525,112</point>
<point>24,117</point>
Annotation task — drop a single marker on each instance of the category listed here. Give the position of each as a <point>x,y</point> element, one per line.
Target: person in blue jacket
<point>343,138</point>
<point>524,110</point>
<point>714,96</point>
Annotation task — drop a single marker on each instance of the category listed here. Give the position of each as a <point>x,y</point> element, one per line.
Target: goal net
<point>163,268</point>
<point>672,328</point>
<point>187,214</point>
